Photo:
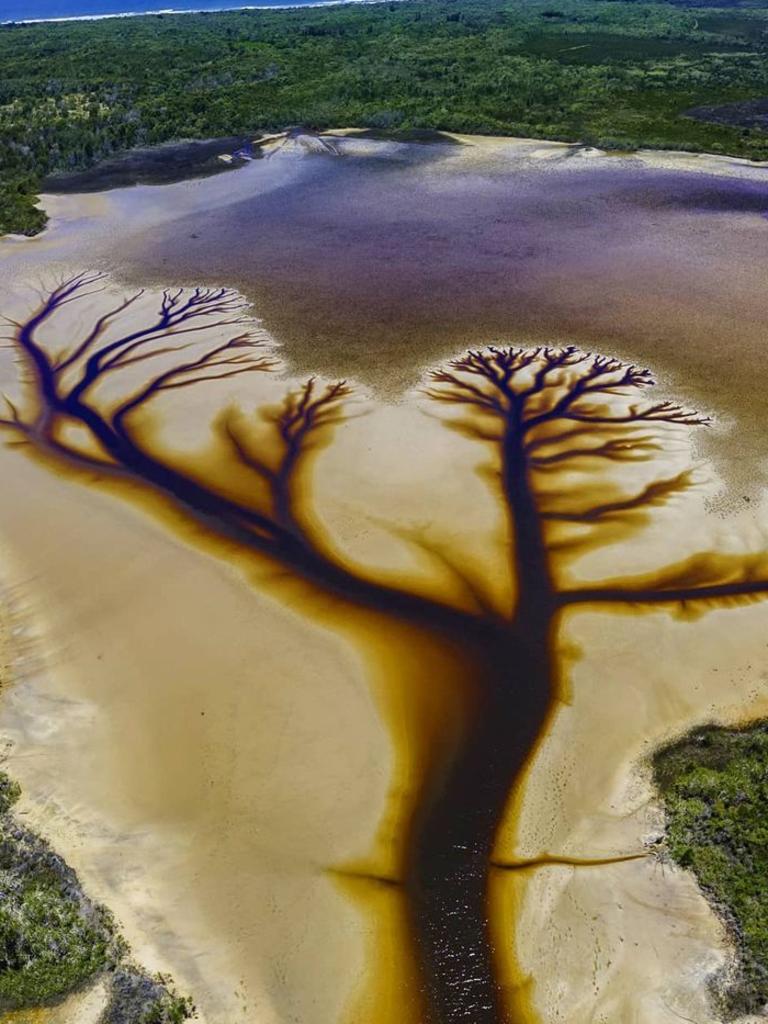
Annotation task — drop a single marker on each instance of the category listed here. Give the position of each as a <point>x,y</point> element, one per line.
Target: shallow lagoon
<point>375,263</point>
<point>204,754</point>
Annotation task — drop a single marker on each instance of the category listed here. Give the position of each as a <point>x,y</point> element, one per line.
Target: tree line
<point>615,73</point>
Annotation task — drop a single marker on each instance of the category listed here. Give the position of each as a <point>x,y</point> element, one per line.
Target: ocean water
<point>35,10</point>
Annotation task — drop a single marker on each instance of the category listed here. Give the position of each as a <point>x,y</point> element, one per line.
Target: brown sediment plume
<point>480,673</point>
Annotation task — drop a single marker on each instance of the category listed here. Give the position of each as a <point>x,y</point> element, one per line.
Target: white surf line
<point>186,10</point>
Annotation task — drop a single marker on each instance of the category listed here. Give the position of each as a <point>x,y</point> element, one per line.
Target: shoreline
<point>680,160</point>
<point>717,849</point>
<point>165,11</point>
<point>91,955</point>
<point>722,165</point>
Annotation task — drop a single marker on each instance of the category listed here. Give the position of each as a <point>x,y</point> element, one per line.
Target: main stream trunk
<point>455,830</point>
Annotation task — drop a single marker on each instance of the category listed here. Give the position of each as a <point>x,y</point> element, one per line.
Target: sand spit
<point>205,755</point>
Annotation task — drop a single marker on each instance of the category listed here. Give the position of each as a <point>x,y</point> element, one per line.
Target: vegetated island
<point>55,941</point>
<point>614,73</point>
<point>714,783</point>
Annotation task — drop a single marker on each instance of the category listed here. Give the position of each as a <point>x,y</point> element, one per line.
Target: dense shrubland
<point>55,941</point>
<point>619,74</point>
<point>715,786</point>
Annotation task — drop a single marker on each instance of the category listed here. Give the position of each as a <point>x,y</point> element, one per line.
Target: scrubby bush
<point>54,940</point>
<point>714,783</point>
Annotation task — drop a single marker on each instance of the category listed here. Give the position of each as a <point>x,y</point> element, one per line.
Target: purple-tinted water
<point>373,267</point>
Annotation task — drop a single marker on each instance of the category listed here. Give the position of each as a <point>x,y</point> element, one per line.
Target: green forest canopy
<point>614,73</point>
<point>714,783</point>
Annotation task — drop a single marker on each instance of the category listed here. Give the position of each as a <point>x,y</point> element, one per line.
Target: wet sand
<point>203,754</point>
<point>632,682</point>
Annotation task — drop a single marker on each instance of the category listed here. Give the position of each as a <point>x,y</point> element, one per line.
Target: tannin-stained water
<point>368,845</point>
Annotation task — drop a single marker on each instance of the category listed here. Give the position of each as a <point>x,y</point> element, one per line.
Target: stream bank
<point>55,941</point>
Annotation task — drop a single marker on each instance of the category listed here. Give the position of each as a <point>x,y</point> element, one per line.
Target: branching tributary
<point>546,416</point>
